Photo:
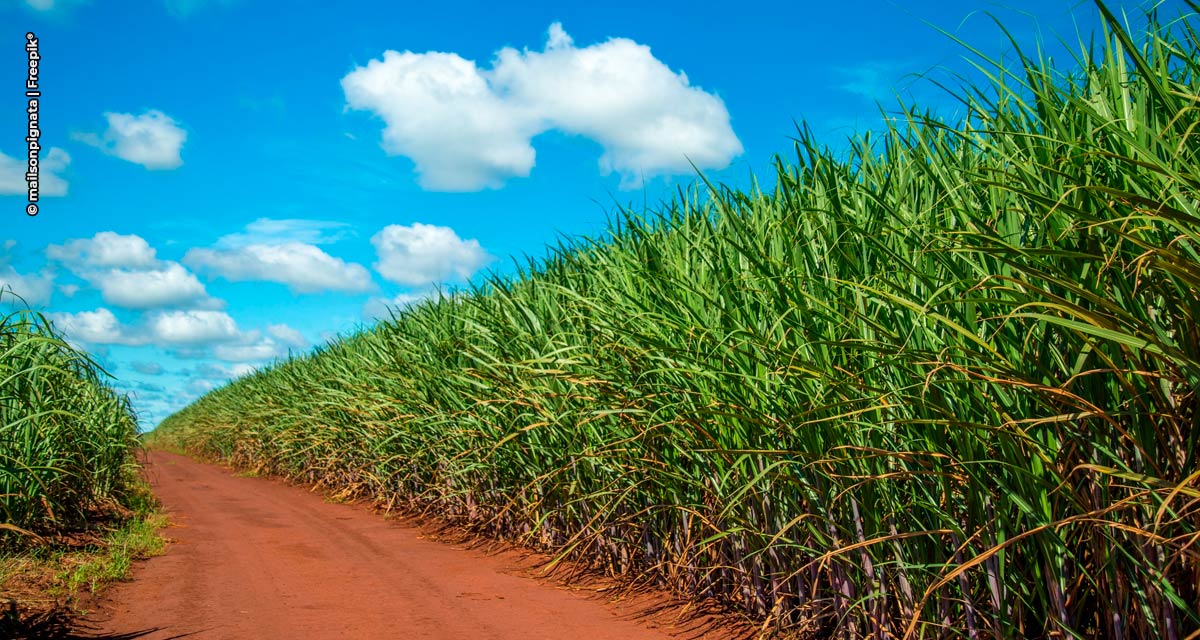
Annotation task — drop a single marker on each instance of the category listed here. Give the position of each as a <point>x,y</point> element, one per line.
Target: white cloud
<point>254,347</point>
<point>284,251</point>
<point>242,369</point>
<point>126,272</point>
<point>282,231</point>
<point>50,165</point>
<point>263,350</point>
<point>95,327</point>
<point>304,268</point>
<point>378,308</point>
<point>424,254</point>
<point>201,386</point>
<point>105,249</point>
<point>35,290</point>
<point>288,336</point>
<point>170,285</point>
<point>195,333</point>
<point>217,371</point>
<point>440,112</point>
<point>191,328</point>
<point>152,139</point>
<point>647,117</point>
<point>468,128</point>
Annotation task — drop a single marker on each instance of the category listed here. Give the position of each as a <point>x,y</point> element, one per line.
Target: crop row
<point>943,384</point>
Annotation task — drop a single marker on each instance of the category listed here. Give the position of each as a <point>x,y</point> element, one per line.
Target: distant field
<point>941,385</point>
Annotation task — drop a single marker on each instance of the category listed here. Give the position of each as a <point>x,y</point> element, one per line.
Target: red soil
<point>257,558</point>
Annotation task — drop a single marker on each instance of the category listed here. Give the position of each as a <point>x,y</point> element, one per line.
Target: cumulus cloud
<point>170,285</point>
<point>241,369</point>
<point>441,113</point>
<point>287,336</point>
<point>35,290</point>
<point>468,128</point>
<point>50,165</point>
<point>423,254</point>
<point>284,251</point>
<point>200,386</point>
<point>252,347</point>
<point>95,328</point>
<point>152,139</point>
<point>105,249</point>
<point>257,347</point>
<point>304,268</point>
<point>126,272</point>
<point>196,331</point>
<point>260,350</point>
<point>217,371</point>
<point>191,327</point>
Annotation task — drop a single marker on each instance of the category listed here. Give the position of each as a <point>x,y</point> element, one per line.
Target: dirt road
<point>257,558</point>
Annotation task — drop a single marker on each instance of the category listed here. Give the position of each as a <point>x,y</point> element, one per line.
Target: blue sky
<point>228,181</point>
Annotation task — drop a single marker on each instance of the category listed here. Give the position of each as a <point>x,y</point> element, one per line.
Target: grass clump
<point>945,386</point>
<point>111,558</point>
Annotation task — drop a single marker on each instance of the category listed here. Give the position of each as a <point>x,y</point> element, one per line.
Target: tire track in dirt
<point>257,558</point>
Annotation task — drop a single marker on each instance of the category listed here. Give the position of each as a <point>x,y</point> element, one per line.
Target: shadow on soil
<point>55,625</point>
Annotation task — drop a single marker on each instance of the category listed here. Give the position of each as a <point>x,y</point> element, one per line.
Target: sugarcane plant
<point>940,384</point>
<point>67,438</point>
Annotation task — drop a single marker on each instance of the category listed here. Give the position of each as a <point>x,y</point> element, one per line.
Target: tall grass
<point>944,385</point>
<point>66,438</point>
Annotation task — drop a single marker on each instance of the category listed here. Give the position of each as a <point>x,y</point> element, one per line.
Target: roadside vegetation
<point>943,384</point>
<point>45,587</point>
<point>73,511</point>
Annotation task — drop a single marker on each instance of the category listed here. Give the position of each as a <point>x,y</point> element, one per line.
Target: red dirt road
<point>257,558</point>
